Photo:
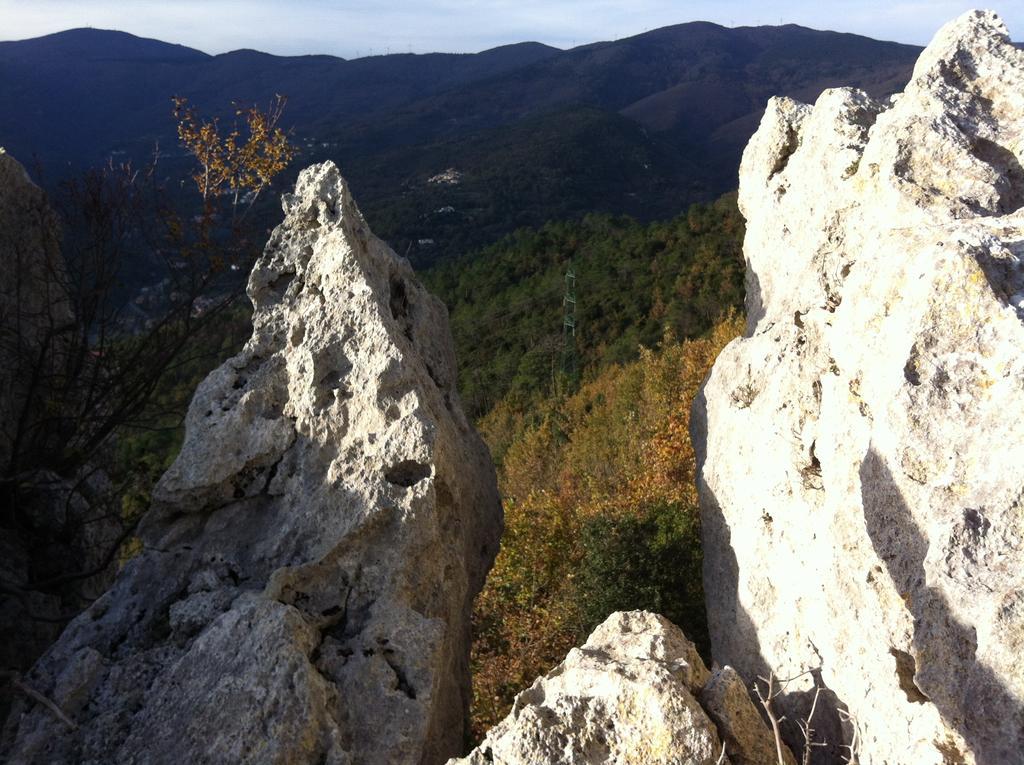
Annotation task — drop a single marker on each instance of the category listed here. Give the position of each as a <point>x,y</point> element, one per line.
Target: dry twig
<point>854,744</point>
<point>766,702</point>
<point>805,725</point>
<point>808,731</point>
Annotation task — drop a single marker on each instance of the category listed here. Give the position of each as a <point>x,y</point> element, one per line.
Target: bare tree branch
<point>766,702</point>
<point>854,746</point>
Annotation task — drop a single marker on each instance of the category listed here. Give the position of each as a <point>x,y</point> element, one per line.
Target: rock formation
<point>34,304</point>
<point>310,559</point>
<point>29,253</point>
<point>38,508</point>
<point>629,696</point>
<point>861,453</point>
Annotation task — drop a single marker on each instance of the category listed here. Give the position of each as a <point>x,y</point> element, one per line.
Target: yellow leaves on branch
<point>233,163</point>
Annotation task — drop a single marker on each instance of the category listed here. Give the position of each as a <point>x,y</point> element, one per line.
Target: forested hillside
<point>641,126</point>
<point>553,166</point>
<point>596,470</point>
<point>600,515</point>
<point>634,282</point>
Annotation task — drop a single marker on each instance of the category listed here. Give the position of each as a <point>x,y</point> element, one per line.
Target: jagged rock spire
<point>312,555</point>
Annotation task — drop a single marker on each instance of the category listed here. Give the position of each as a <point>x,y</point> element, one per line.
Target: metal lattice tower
<point>569,324</point>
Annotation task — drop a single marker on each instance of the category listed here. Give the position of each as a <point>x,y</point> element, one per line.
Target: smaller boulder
<point>629,695</point>
<point>747,739</point>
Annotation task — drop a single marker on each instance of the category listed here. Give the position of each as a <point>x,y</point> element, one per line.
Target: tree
<point>230,163</point>
<point>101,362</point>
<point>90,360</point>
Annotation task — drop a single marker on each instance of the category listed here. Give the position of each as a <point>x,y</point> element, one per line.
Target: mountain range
<point>641,126</point>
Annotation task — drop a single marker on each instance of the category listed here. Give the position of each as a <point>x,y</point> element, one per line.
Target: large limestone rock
<point>628,696</point>
<point>34,305</point>
<point>311,557</point>
<point>861,451</point>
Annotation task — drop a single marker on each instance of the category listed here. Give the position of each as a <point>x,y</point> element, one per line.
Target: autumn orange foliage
<point>229,163</point>
<point>618,450</point>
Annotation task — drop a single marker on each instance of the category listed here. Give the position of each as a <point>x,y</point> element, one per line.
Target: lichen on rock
<point>312,555</point>
<point>862,513</point>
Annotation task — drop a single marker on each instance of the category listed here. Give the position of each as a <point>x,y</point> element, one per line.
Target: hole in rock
<point>1010,185</point>
<point>331,385</point>
<point>281,282</point>
<point>407,473</point>
<point>811,473</point>
<point>906,668</point>
<point>910,370</point>
<point>434,375</point>
<point>399,303</point>
<point>399,300</point>
<point>787,150</point>
<point>401,681</point>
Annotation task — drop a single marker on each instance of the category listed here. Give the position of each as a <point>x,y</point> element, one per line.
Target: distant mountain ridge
<point>99,44</point>
<point>118,87</point>
<point>643,125</point>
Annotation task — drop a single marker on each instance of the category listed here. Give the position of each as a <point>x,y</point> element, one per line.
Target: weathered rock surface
<point>311,557</point>
<point>628,696</point>
<point>34,305</point>
<point>861,451</point>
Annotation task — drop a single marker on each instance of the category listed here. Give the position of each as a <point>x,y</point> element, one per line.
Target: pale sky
<point>346,28</point>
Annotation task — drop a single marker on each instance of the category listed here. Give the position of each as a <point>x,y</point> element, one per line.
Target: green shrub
<point>649,560</point>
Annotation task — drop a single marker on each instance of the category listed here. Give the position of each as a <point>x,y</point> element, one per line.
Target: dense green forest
<point>634,283</point>
<point>556,166</point>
